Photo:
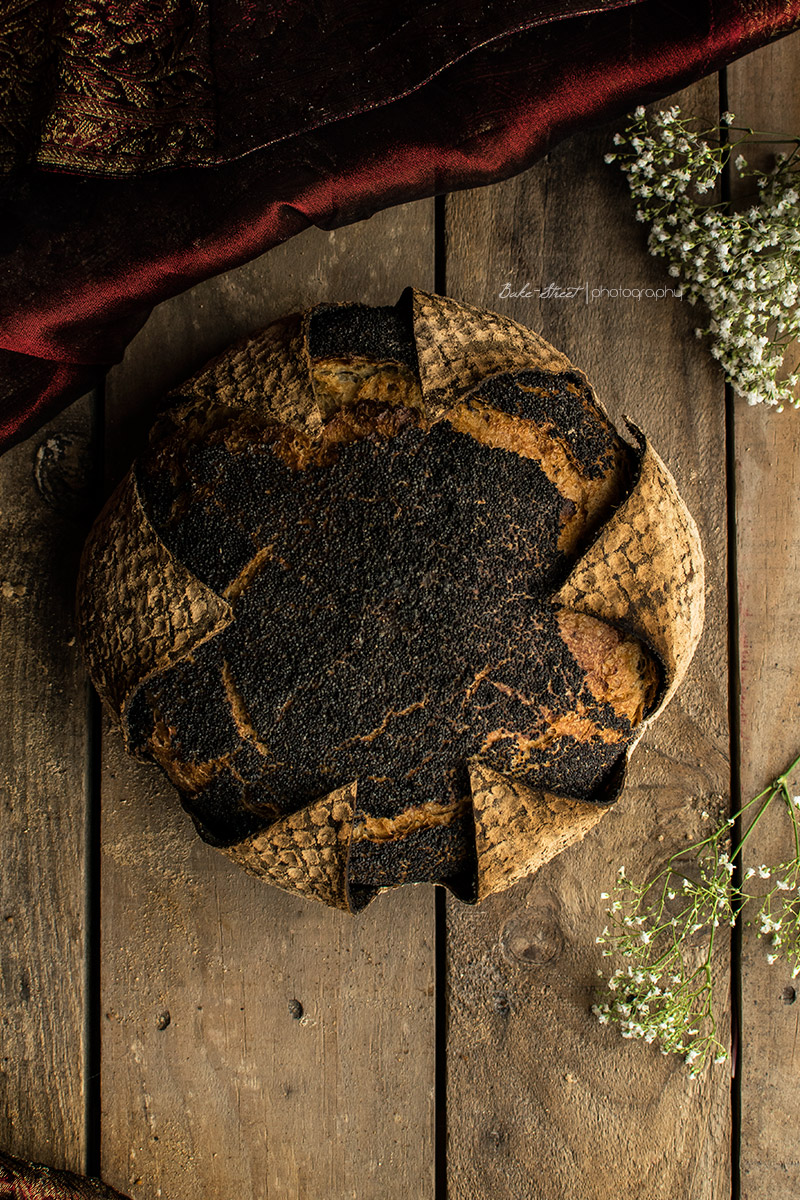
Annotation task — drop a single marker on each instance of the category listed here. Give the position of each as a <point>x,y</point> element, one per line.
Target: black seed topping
<point>564,402</point>
<point>340,330</point>
<point>392,619</point>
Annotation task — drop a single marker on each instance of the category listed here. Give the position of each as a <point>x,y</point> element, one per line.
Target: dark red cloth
<point>85,258</point>
<point>127,86</point>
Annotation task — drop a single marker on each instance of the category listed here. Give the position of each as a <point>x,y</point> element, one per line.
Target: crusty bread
<point>390,601</point>
<point>389,578</point>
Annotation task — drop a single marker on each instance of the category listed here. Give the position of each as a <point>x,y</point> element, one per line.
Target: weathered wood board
<point>542,1101</point>
<point>762,92</point>
<point>257,1045</point>
<point>231,1094</point>
<point>43,794</point>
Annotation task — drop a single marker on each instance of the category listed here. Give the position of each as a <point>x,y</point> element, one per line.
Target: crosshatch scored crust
<point>485,454</point>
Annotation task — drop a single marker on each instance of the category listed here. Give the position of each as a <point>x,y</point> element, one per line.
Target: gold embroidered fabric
<point>123,87</point>
<point>25,56</point>
<point>119,83</point>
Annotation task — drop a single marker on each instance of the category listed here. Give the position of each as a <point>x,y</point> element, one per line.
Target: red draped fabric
<point>86,256</point>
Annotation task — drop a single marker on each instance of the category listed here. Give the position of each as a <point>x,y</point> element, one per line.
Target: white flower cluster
<point>779,914</point>
<point>744,266</point>
<point>664,992</point>
<point>666,1009</point>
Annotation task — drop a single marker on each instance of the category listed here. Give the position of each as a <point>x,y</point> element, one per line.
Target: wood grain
<point>542,1101</point>
<point>43,795</point>
<point>256,1044</point>
<point>762,91</point>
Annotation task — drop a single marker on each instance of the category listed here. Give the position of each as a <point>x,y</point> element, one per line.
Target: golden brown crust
<point>588,497</point>
<point>305,852</point>
<point>460,346</point>
<point>576,725</point>
<point>619,671</point>
<point>646,571</point>
<point>160,611</point>
<point>424,816</point>
<point>267,374</point>
<point>341,383</point>
<point>518,829</point>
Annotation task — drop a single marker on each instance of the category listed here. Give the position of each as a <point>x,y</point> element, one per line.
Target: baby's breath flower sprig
<point>665,929</point>
<point>743,265</point>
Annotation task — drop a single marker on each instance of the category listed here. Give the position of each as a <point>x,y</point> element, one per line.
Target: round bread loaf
<point>326,601</point>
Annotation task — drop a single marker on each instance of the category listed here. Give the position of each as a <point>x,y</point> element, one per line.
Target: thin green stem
<point>754,822</point>
<point>783,779</point>
<point>661,997</point>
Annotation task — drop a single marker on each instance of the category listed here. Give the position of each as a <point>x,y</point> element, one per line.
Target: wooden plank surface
<point>762,91</point>
<point>43,794</point>
<point>542,1102</point>
<point>212,1083</point>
